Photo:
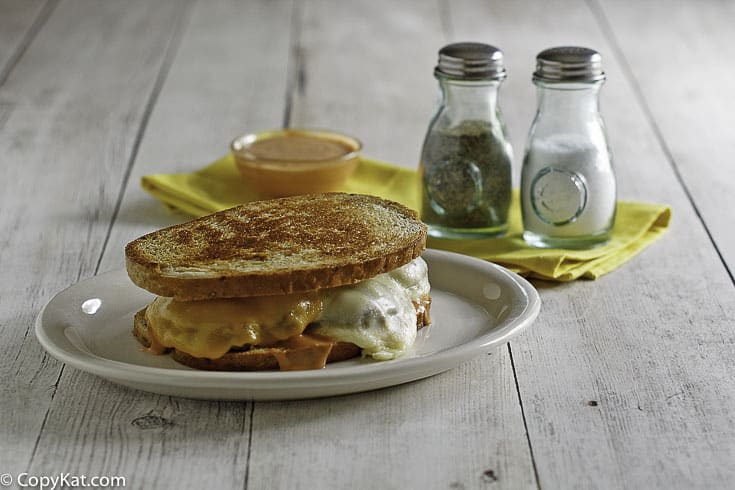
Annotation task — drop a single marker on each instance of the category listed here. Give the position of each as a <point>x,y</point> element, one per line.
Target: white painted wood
<point>369,70</point>
<point>366,69</point>
<point>682,66</point>
<point>460,429</point>
<point>17,18</point>
<point>97,428</point>
<point>19,23</point>
<point>77,95</point>
<point>626,382</point>
<point>228,76</point>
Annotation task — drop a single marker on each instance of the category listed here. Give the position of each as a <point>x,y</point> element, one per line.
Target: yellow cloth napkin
<point>218,186</point>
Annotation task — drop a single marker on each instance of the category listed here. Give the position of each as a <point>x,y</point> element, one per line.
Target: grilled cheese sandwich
<point>370,302</point>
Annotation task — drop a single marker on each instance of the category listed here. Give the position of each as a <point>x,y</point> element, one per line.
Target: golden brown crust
<point>260,359</point>
<point>279,246</point>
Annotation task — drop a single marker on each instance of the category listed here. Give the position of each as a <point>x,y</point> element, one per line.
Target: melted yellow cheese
<point>211,328</point>
<point>378,315</point>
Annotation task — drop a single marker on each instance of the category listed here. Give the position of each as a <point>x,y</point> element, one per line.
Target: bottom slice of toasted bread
<point>259,358</point>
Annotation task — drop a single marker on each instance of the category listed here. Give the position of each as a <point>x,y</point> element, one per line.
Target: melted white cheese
<point>378,314</point>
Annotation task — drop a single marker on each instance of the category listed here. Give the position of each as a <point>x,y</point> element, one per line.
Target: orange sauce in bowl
<point>291,162</point>
<point>299,148</point>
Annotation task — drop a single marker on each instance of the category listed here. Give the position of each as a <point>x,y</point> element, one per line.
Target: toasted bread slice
<point>279,246</point>
<point>260,358</point>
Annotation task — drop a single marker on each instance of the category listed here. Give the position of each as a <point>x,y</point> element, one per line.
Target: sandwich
<point>290,283</point>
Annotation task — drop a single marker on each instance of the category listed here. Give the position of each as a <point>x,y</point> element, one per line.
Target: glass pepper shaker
<point>466,158</point>
<point>568,190</point>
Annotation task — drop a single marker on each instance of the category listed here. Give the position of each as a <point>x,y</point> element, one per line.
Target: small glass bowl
<point>289,162</point>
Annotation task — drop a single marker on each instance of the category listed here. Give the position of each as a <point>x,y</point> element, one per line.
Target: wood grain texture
<point>20,20</point>
<point>64,148</point>
<point>624,381</point>
<point>460,429</point>
<point>97,428</point>
<point>696,130</point>
<point>365,68</point>
<point>217,86</point>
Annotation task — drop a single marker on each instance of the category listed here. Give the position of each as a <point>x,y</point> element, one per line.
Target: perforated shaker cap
<point>470,61</point>
<point>569,64</point>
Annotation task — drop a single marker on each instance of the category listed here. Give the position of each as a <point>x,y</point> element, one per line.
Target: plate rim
<point>435,362</point>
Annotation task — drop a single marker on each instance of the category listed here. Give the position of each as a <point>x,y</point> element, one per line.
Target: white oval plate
<point>476,307</point>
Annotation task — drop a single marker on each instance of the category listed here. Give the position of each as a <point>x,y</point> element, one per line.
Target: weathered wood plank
<point>353,77</point>
<point>368,70</point>
<point>19,23</point>
<point>681,68</point>
<point>625,381</point>
<point>228,76</point>
<point>460,429</point>
<point>77,96</point>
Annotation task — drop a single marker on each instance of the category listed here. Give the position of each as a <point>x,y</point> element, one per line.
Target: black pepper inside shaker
<point>466,159</point>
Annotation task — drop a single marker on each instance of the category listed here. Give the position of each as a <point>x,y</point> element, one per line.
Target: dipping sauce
<point>291,161</point>
<point>299,148</point>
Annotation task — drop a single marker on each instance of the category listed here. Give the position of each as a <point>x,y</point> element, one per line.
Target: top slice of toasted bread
<point>288,245</point>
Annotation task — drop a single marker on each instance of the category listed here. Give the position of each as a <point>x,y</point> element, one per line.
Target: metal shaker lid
<point>569,64</point>
<point>470,61</point>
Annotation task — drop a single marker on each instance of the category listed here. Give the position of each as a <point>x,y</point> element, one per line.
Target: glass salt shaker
<point>466,158</point>
<point>568,190</point>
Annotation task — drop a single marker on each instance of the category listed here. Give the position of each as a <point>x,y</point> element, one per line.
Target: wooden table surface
<point>623,382</point>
